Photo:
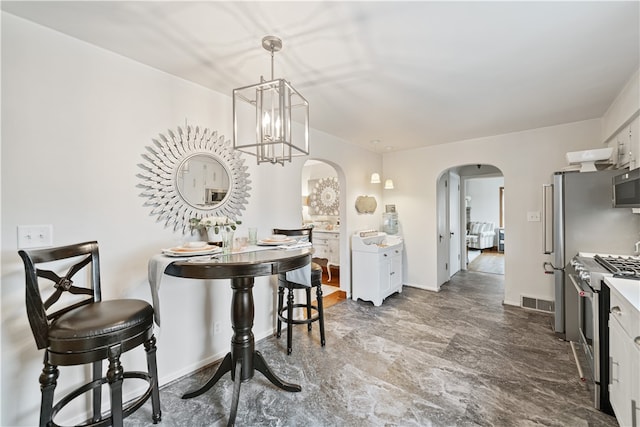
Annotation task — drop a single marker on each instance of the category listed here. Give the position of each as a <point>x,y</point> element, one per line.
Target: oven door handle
<point>581,292</point>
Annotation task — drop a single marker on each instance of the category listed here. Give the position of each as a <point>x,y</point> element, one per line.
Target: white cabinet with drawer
<point>624,350</point>
<point>376,267</point>
<point>326,244</point>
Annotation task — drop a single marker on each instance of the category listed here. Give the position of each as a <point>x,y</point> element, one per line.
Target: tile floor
<point>454,358</point>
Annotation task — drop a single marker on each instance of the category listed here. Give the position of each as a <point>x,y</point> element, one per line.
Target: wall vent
<point>537,304</point>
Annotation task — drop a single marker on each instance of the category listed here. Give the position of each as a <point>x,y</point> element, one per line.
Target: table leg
<point>224,367</point>
<point>261,366</point>
<point>243,358</point>
<point>237,374</point>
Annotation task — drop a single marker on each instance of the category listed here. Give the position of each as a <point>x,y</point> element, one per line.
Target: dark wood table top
<point>244,264</point>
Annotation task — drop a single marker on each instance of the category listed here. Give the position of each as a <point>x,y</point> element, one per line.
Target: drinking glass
<point>253,235</point>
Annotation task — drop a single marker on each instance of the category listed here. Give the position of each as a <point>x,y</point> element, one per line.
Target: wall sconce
<point>375,178</point>
<point>388,184</point>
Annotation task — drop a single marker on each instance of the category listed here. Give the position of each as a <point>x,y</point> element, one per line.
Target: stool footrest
<point>105,419</point>
<point>313,318</point>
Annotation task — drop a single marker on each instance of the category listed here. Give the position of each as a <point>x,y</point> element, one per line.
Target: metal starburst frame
<point>160,176</point>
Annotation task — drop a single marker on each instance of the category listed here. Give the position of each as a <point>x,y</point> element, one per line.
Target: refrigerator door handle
<point>547,219</point>
<point>549,268</point>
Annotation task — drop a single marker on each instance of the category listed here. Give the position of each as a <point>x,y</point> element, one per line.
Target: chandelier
<point>271,118</point>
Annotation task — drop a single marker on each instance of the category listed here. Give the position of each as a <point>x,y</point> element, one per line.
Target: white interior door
<point>454,223</point>
<point>443,231</point>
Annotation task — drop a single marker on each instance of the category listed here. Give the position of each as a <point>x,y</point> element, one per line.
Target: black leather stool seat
<point>316,273</point>
<point>100,325</point>
<point>316,277</point>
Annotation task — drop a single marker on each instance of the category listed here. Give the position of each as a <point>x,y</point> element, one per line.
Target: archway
<point>456,216</point>
<point>323,207</point>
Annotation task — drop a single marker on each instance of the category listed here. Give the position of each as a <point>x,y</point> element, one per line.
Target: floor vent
<point>537,304</point>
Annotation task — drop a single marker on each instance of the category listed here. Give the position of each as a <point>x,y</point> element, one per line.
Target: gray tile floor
<point>454,358</point>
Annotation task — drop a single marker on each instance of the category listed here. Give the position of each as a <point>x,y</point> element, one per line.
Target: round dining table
<point>242,268</point>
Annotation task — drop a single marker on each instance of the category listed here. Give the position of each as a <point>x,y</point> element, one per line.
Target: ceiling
<point>407,74</point>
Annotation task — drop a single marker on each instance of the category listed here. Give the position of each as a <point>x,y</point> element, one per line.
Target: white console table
<point>327,245</point>
<point>376,266</point>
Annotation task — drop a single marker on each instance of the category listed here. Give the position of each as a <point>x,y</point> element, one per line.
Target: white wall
<point>527,160</point>
<point>623,107</point>
<point>75,121</point>
<point>485,198</point>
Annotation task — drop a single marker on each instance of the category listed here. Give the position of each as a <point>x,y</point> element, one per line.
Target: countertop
<point>628,288</point>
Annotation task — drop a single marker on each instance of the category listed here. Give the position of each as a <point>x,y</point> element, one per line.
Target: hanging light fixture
<point>375,178</point>
<point>271,118</point>
<point>388,184</point>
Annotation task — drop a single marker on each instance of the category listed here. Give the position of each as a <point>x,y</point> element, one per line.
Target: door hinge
<point>446,265</point>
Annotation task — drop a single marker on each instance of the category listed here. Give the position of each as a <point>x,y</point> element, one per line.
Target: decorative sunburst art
<point>169,156</point>
<point>325,197</point>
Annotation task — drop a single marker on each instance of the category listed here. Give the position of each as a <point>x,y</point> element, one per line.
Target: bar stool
<point>84,329</point>
<point>285,312</point>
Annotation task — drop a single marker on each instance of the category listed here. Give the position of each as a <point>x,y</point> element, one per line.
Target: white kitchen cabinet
<point>626,146</point>
<point>623,148</point>
<point>624,353</point>
<point>326,244</point>
<point>634,143</point>
<point>376,267</point>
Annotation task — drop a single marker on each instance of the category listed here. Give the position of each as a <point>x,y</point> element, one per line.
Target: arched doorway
<point>459,223</point>
<point>323,207</point>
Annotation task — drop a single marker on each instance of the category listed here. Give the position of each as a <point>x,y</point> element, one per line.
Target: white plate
<point>182,251</point>
<point>270,242</point>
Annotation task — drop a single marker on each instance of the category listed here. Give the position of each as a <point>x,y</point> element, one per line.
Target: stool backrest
<point>41,312</point>
<point>294,232</point>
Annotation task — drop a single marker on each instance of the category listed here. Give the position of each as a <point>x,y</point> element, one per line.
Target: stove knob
<point>584,276</point>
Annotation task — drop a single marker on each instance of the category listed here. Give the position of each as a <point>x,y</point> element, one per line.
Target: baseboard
<point>423,287</point>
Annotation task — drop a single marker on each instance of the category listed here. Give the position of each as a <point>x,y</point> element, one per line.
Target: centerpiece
<point>216,225</point>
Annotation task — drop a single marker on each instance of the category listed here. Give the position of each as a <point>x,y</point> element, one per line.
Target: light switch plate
<point>35,236</point>
<point>533,216</point>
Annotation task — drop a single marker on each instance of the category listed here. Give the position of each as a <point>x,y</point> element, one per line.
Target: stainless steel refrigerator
<point>578,216</point>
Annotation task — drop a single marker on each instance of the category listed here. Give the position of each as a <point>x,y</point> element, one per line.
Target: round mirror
<point>193,173</point>
<point>202,181</point>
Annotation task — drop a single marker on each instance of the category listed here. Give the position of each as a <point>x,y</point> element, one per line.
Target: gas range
<point>619,266</point>
<point>592,268</point>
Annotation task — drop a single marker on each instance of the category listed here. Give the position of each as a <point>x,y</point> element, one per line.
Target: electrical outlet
<point>217,328</point>
<point>35,236</point>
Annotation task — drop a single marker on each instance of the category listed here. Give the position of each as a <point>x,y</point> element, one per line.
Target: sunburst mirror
<point>193,173</point>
